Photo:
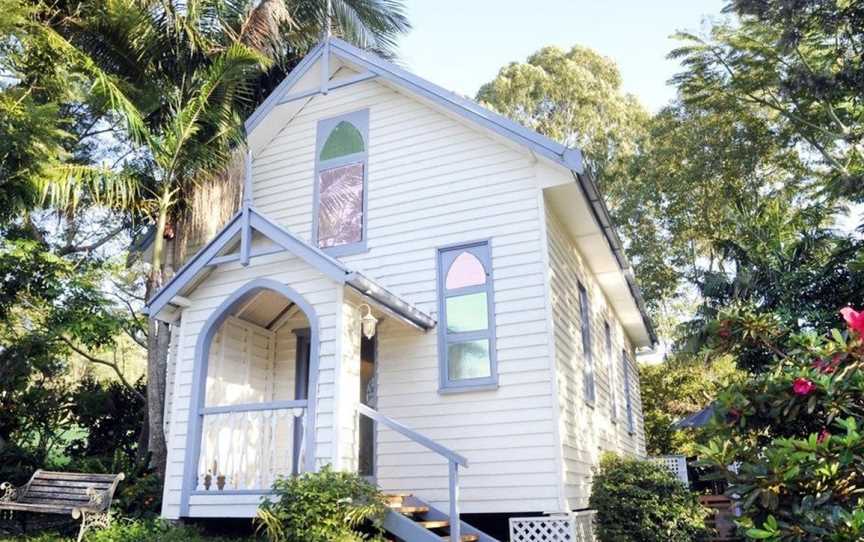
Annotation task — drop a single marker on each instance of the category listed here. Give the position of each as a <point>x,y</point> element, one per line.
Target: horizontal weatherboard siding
<point>587,428</point>
<point>434,181</point>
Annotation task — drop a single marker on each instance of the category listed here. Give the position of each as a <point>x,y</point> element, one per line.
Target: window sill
<point>346,250</point>
<point>449,390</point>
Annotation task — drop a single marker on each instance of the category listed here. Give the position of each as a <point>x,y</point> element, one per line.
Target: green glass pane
<point>345,139</point>
<point>468,360</point>
<point>467,313</point>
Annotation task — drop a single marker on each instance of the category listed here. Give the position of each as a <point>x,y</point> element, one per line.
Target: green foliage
<point>794,432</point>
<point>798,65</point>
<point>574,97</point>
<point>326,506</point>
<point>781,262</point>
<point>149,530</point>
<point>678,388</point>
<point>50,308</point>
<point>111,413</point>
<point>640,501</point>
<point>133,531</point>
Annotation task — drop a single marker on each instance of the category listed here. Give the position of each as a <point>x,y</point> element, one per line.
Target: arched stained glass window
<point>340,184</point>
<point>467,327</point>
<point>466,270</point>
<point>345,139</point>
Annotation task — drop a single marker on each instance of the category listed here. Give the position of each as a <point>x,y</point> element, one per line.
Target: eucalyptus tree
<point>576,98</point>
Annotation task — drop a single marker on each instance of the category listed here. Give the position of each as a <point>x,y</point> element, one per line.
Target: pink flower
<point>823,435</point>
<point>854,319</point>
<point>802,386</point>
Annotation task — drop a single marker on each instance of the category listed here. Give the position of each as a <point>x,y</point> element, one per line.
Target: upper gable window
<point>339,223</point>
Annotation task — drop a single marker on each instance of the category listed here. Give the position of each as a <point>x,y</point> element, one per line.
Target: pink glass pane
<point>466,270</point>
<point>340,210</point>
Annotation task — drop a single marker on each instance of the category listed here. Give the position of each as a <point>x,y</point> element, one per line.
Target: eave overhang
<point>238,231</point>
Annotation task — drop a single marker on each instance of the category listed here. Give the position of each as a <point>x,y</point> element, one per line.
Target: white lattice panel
<point>577,527</point>
<point>677,465</point>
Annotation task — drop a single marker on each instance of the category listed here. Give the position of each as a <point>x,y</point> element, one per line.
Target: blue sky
<point>461,44</point>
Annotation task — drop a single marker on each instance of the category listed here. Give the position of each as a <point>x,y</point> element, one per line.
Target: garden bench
<point>81,495</point>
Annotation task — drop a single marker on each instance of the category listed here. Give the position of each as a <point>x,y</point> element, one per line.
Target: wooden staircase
<point>412,519</point>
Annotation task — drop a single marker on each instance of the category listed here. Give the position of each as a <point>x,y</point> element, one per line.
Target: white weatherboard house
<point>416,289</point>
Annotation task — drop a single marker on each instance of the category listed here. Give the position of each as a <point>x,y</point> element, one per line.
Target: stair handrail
<point>454,460</point>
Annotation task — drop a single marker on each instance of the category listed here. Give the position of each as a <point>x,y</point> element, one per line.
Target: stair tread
<point>410,509</point>
<point>464,537</point>
<point>434,523</point>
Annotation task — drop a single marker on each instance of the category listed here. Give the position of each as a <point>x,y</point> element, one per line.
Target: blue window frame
<point>625,372</point>
<point>466,327</point>
<point>341,184</point>
<point>587,350</point>
<point>610,367</point>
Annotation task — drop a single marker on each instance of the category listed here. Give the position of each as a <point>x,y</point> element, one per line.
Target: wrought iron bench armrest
<point>9,492</point>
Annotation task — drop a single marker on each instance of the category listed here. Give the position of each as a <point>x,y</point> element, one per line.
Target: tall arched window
<point>339,223</point>
<point>467,317</point>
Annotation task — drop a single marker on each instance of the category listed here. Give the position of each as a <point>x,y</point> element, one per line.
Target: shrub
<point>640,501</point>
<point>149,531</point>
<point>131,531</point>
<point>326,506</point>
<point>794,432</point>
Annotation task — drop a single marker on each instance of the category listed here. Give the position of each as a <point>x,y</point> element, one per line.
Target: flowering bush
<point>794,433</point>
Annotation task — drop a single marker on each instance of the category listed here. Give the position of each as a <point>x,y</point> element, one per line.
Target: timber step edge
<point>408,510</point>
<point>434,524</point>
<point>464,537</point>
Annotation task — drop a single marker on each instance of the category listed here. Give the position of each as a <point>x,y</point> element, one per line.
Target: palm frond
<point>262,27</point>
<point>371,24</point>
<point>66,185</point>
<point>103,87</point>
<point>230,74</point>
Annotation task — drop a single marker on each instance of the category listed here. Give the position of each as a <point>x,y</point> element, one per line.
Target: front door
<point>368,396</point>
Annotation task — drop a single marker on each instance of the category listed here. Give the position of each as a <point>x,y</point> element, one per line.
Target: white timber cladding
<point>587,430</point>
<point>320,292</point>
<point>349,388</point>
<point>435,181</point>
<point>170,372</point>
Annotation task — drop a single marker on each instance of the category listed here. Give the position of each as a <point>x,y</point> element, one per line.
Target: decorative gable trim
<point>378,67</point>
<point>242,225</point>
<point>240,228</point>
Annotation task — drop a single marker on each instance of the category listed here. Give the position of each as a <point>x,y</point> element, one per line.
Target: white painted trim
<point>563,505</point>
<point>337,379</point>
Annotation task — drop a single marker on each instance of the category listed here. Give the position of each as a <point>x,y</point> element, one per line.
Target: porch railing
<point>454,461</point>
<point>246,447</point>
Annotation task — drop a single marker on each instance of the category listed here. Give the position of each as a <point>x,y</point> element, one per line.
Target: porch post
<point>301,391</point>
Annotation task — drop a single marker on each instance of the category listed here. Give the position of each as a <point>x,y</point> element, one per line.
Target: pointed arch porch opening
<point>252,409</point>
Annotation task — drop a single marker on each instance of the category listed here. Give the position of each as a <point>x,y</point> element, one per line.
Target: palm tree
<point>781,260</point>
<point>182,78</point>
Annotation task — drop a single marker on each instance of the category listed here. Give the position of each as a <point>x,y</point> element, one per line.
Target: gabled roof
<point>287,98</point>
<point>378,67</point>
<point>240,228</point>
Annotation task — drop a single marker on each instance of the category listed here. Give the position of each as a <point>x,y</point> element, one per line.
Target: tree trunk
<point>142,455</point>
<point>157,366</point>
<point>157,352</point>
